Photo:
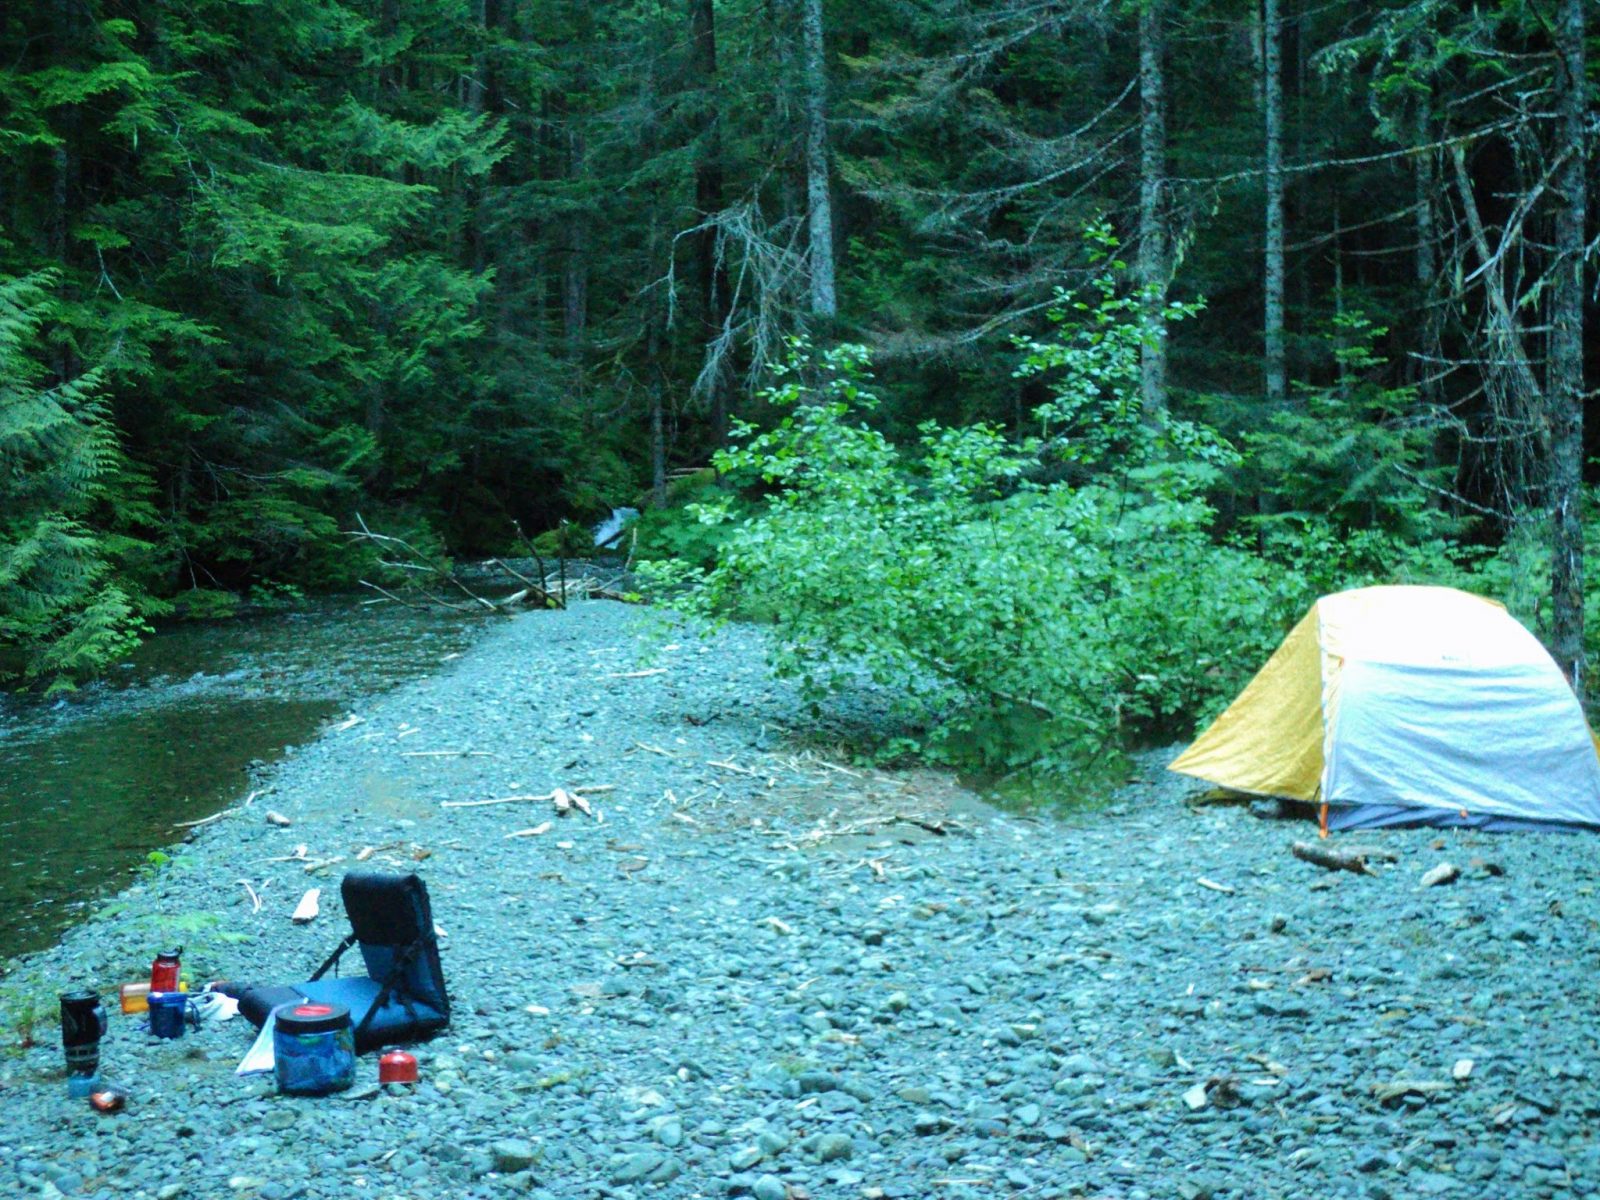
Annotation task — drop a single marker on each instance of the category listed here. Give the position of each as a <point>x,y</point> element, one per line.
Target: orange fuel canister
<point>397,1067</point>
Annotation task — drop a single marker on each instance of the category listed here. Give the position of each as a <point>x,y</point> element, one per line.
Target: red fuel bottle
<point>164,971</point>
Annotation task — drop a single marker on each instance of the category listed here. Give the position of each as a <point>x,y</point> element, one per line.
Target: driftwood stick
<point>388,595</point>
<point>1331,859</point>
<point>1373,853</point>
<point>587,790</point>
<point>544,574</point>
<point>308,908</point>
<point>536,590</point>
<point>227,812</point>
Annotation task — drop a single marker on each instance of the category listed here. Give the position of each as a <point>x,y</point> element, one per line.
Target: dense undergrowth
<point>1050,602</point>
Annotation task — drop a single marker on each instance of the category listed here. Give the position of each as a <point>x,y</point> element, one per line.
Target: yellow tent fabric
<point>1269,740</point>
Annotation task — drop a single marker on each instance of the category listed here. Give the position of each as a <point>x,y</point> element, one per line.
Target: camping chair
<point>401,998</point>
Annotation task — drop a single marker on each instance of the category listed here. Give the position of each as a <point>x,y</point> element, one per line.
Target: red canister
<point>397,1067</point>
<point>164,971</point>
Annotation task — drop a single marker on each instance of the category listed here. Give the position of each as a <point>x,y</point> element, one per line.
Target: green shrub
<point>570,539</point>
<point>1024,622</point>
<point>677,532</point>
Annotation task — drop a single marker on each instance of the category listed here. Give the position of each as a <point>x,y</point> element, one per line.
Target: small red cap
<point>313,1010</point>
<point>397,1067</point>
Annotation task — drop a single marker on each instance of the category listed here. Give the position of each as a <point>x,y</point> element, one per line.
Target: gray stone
<point>832,1147</point>
<point>631,1168</point>
<point>512,1155</point>
<point>667,1130</point>
<point>522,1061</point>
<point>745,1157</point>
<point>769,1187</point>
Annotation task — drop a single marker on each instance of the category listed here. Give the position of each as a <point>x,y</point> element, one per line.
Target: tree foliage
<point>475,267</point>
<point>1040,601</point>
<point>59,460</point>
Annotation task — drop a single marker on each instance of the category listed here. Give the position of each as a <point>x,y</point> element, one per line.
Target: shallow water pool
<point>92,784</point>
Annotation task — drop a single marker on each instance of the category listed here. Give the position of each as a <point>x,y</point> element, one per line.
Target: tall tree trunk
<point>658,434</point>
<point>655,385</point>
<point>1564,386</point>
<point>1154,242</point>
<point>1341,341</point>
<point>477,86</point>
<point>575,272</point>
<point>708,202</point>
<point>784,139</point>
<point>1426,180</point>
<point>1508,364</point>
<point>475,99</point>
<point>824,300</point>
<point>1277,377</point>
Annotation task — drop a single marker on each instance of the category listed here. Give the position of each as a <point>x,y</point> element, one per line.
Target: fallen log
<point>1330,859</point>
<point>1373,853</point>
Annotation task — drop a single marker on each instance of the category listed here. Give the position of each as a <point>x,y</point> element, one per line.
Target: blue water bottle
<point>169,1013</point>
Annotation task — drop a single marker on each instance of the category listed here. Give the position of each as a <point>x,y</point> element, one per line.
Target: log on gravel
<point>1332,859</point>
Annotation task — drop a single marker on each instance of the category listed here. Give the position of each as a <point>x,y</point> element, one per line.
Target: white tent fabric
<point>1504,742</point>
<point>1437,699</point>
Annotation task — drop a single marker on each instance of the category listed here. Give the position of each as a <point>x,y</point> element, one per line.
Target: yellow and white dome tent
<point>1408,706</point>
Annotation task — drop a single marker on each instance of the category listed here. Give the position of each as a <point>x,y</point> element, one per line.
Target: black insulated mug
<point>83,1024</point>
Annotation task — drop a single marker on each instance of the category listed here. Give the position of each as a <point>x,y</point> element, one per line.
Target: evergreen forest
<point>1045,358</point>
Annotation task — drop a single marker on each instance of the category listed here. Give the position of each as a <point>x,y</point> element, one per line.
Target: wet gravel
<point>754,971</point>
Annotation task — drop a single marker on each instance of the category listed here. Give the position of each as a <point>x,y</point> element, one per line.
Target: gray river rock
<point>752,973</point>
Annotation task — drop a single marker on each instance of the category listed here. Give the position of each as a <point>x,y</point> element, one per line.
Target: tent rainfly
<point>1409,706</point>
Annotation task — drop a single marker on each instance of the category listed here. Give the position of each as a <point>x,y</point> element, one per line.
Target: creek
<point>92,785</point>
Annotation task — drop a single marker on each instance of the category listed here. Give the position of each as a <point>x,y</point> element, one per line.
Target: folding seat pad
<point>402,997</point>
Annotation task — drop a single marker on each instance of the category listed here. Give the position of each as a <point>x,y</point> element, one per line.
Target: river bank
<point>758,971</point>
<point>93,782</point>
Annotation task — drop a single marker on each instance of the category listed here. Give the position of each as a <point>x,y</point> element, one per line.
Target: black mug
<point>83,1024</point>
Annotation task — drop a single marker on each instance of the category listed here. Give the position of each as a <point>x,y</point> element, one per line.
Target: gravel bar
<point>757,971</point>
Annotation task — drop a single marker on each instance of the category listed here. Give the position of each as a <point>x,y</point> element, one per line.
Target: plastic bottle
<point>164,971</point>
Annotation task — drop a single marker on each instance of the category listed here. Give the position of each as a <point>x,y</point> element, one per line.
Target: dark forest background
<point>470,267</point>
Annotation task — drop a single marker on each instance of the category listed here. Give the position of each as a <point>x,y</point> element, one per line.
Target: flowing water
<point>91,785</point>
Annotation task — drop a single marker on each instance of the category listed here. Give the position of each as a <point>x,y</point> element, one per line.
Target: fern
<point>57,452</point>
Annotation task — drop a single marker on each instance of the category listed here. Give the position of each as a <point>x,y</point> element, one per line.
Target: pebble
<point>834,1146</point>
<point>512,1155</point>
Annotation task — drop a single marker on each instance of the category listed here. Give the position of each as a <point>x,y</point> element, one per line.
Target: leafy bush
<point>1037,603</point>
<point>570,539</point>
<point>676,532</point>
